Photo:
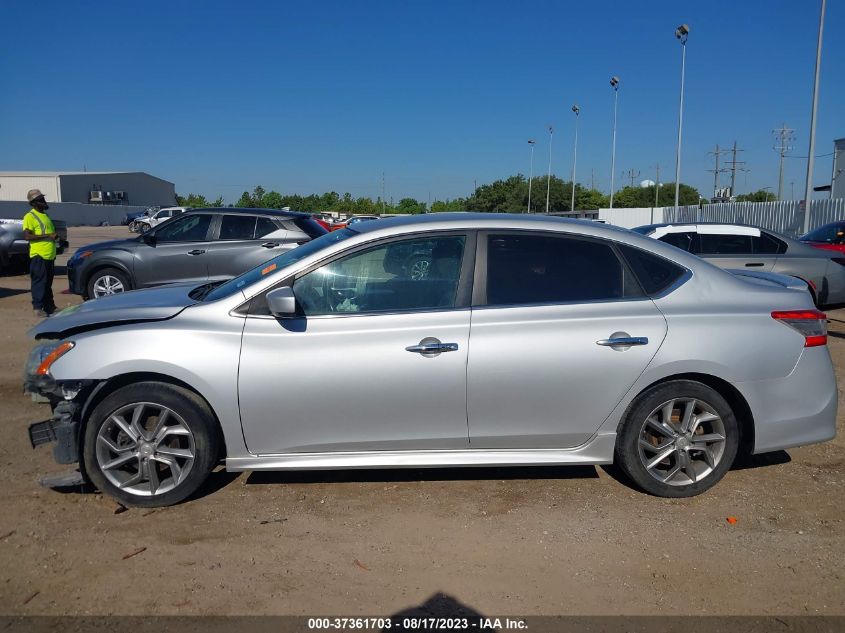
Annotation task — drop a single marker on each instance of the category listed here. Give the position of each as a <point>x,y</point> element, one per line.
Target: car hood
<point>154,304</point>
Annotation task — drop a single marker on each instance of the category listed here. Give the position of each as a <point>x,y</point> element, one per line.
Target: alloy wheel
<point>145,449</point>
<point>420,269</point>
<point>107,285</point>
<point>682,441</point>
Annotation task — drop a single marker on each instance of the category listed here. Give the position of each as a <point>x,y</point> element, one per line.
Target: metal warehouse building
<point>89,187</point>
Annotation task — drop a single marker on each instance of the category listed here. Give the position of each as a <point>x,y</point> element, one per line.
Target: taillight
<point>811,324</point>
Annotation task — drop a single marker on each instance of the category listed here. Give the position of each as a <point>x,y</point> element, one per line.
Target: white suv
<point>162,215</point>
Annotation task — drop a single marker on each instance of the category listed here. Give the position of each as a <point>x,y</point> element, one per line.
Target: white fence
<point>786,217</point>
<point>629,218</point>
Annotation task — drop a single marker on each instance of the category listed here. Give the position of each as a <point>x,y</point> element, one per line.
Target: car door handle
<point>196,251</point>
<point>755,264</point>
<point>432,348</point>
<point>623,340</point>
<point>269,244</point>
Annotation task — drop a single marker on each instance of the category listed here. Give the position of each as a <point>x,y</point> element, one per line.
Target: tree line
<point>508,195</point>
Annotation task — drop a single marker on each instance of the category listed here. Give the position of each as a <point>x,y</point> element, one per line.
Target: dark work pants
<point>41,274</point>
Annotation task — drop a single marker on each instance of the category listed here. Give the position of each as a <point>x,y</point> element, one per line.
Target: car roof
<point>253,211</point>
<point>475,220</point>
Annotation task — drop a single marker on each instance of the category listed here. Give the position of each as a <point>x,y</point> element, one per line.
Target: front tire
<point>105,282</point>
<point>150,444</point>
<point>678,439</point>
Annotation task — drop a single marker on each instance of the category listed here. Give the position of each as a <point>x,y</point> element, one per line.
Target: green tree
<point>196,201</point>
<point>761,195</point>
<point>410,206</point>
<point>630,197</point>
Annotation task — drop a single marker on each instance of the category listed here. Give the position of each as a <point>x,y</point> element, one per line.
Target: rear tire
<point>151,444</point>
<point>678,439</point>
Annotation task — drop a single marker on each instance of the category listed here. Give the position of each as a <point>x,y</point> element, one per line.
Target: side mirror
<point>149,237</point>
<point>282,302</point>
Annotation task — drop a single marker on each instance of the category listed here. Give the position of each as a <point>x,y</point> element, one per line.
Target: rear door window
<point>725,244</point>
<point>654,273</point>
<point>237,227</point>
<point>767,245</point>
<point>264,227</point>
<point>685,241</point>
<point>532,269</point>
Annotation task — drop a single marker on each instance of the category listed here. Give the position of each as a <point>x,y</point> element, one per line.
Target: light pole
<point>549,179</point>
<point>614,82</point>
<point>577,111</point>
<point>808,189</point>
<point>531,144</point>
<point>682,32</point>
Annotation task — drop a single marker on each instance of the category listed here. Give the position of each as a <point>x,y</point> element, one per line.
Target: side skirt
<point>599,450</point>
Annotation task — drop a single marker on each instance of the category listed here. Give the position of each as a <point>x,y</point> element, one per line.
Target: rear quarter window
<point>654,273</point>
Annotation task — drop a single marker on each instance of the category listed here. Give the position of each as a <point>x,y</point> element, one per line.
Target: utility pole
<point>382,193</point>
<point>733,163</point>
<point>716,170</point>
<point>549,179</point>
<point>657,184</point>
<point>632,174</point>
<point>592,178</point>
<point>808,190</point>
<point>784,138</point>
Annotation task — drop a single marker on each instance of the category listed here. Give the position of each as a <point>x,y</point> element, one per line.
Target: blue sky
<point>307,97</point>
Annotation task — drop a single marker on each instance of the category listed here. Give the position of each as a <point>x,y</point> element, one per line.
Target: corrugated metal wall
<point>16,187</point>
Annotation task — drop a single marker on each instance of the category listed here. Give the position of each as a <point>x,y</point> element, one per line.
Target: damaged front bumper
<point>62,429</point>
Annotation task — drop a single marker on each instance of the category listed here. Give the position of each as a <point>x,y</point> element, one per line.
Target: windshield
<point>277,263</point>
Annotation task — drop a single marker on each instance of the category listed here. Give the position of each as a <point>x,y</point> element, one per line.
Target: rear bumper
<point>798,409</point>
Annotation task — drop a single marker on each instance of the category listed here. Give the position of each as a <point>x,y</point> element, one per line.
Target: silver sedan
<point>531,341</point>
<point>749,248</point>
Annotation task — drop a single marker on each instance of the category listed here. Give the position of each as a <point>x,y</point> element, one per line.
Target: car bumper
<point>796,410</point>
<point>74,279</point>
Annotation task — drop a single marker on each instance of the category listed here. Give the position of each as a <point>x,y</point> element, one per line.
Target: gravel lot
<point>498,541</point>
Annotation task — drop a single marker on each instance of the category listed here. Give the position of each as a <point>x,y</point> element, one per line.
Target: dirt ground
<point>497,541</point>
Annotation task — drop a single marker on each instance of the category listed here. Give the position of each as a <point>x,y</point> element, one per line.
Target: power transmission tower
<point>592,178</point>
<point>716,170</point>
<point>735,167</point>
<point>784,138</point>
<point>633,174</point>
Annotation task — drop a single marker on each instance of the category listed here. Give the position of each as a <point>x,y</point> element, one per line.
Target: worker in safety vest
<point>39,231</point>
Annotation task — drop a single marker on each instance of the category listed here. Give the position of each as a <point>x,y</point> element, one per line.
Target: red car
<point>829,237</point>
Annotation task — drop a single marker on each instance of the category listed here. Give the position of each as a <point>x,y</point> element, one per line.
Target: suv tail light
<point>811,324</point>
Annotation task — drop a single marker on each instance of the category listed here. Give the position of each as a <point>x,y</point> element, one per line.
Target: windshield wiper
<point>201,292</point>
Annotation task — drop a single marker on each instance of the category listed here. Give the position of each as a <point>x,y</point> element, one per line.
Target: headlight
<point>81,255</point>
<point>42,357</point>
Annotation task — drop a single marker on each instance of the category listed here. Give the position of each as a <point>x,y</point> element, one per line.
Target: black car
<point>201,245</point>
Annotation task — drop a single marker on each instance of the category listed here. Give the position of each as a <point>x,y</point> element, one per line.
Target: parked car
<point>131,216</point>
<point>533,341</point>
<point>145,223</point>
<point>828,237</point>
<point>734,246</point>
<point>14,249</point>
<point>352,221</point>
<point>197,246</point>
